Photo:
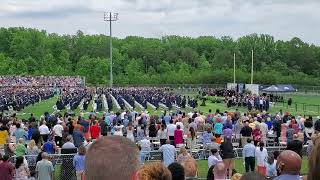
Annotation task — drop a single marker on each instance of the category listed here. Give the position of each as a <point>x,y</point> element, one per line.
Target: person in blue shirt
<point>218,127</point>
<point>20,133</point>
<point>168,153</point>
<point>79,162</point>
<point>206,137</point>
<point>49,147</point>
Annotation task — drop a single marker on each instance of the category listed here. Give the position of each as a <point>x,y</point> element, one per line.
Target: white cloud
<point>154,18</point>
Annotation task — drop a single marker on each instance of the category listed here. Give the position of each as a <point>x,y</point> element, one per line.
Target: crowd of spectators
<point>124,139</point>
<point>41,81</point>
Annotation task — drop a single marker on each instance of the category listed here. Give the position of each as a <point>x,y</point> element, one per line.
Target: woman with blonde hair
<point>32,153</point>
<point>314,160</point>
<point>183,155</point>
<point>154,171</point>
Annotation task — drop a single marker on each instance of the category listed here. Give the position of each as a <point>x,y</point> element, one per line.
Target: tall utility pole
<point>252,66</point>
<point>110,16</point>
<point>234,68</point>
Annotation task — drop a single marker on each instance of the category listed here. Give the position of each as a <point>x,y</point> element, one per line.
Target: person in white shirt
<point>171,127</point>
<point>162,134</point>
<point>57,130</point>
<point>264,130</point>
<point>145,144</point>
<point>214,158</point>
<point>261,158</point>
<point>44,131</point>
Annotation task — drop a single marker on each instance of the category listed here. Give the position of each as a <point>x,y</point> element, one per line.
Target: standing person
<point>191,138</point>
<point>214,158</point>
<point>227,132</point>
<point>218,128</point>
<point>57,131</point>
<point>130,132</point>
<point>163,134</point>
<point>277,128</point>
<point>227,154</point>
<point>152,129</point>
<point>308,131</point>
<point>237,128</point>
<point>171,127</point>
<point>6,169</point>
<point>79,162</point>
<point>248,153</point>
<point>178,136</point>
<point>246,133</point>
<point>44,168</point>
<point>20,133</point>
<point>44,131</point>
<point>289,134</point>
<point>141,133</point>
<point>94,130</point>
<point>168,153</point>
<point>103,128</point>
<point>264,131</point>
<point>32,152</point>
<point>4,134</point>
<point>271,167</point>
<point>22,171</point>
<point>20,149</point>
<point>257,135</point>
<point>206,137</point>
<point>295,145</point>
<point>69,144</point>
<point>78,137</point>
<point>261,158</point>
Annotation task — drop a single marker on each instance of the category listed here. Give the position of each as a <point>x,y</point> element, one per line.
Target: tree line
<point>166,60</point>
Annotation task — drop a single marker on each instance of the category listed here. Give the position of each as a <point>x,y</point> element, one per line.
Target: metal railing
<point>64,169</point>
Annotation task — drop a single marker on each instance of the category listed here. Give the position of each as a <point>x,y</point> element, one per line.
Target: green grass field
<point>203,167</point>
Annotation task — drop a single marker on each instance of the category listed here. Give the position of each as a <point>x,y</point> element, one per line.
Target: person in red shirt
<point>94,130</point>
<point>6,169</point>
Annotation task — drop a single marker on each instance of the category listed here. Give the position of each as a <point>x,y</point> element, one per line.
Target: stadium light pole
<point>252,66</point>
<point>234,68</point>
<point>109,17</point>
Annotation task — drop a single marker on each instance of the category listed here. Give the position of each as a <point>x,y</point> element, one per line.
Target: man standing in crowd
<point>69,144</point>
<point>248,154</point>
<point>57,130</point>
<point>168,153</point>
<point>44,168</point>
<point>288,165</point>
<point>246,133</point>
<point>20,133</point>
<point>44,131</point>
<point>6,169</point>
<point>295,145</point>
<point>171,127</point>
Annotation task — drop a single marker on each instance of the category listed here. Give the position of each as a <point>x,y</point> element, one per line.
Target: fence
<point>303,108</point>
<point>62,163</point>
<point>64,169</point>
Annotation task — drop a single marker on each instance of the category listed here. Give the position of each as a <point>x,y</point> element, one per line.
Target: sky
<point>283,19</point>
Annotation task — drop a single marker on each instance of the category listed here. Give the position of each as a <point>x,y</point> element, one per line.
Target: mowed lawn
<point>239,166</point>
